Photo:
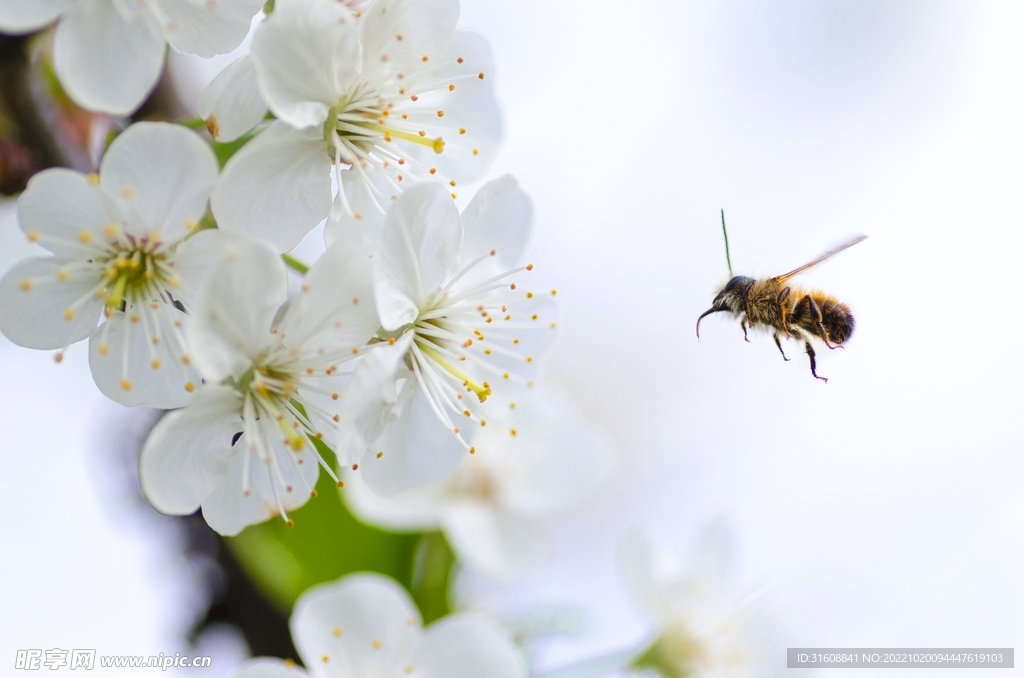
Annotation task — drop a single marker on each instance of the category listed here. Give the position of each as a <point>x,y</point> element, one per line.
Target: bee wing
<point>824,257</point>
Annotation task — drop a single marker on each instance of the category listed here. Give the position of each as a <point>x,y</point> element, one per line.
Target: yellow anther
<point>376,643</point>
<point>451,87</point>
<point>128,192</point>
<point>191,224</point>
<point>69,314</point>
<point>93,178</point>
<point>337,633</point>
<point>529,295</point>
<point>529,358</point>
<point>554,292</point>
<point>476,151</point>
<point>513,432</point>
<point>155,364</point>
<point>33,236</point>
<point>380,454</point>
<point>480,75</point>
<point>25,285</point>
<point>110,230</point>
<point>472,450</point>
<point>126,385</point>
<point>84,236</point>
<point>438,145</point>
<point>440,114</point>
<point>58,357</point>
<point>189,386</point>
<point>462,130</point>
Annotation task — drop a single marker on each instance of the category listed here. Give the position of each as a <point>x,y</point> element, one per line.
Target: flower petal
<point>397,34</point>
<point>104,62</point>
<point>68,212</point>
<point>307,57</point>
<point>415,510</point>
<point>207,28</point>
<point>24,16</point>
<point>468,646</point>
<point>165,172</point>
<point>361,622</point>
<point>232,318</point>
<point>148,371</point>
<point>419,248</point>
<point>232,104</point>
<point>334,309</point>
<point>561,460</point>
<point>267,667</point>
<point>370,400</point>
<point>499,217</point>
<point>278,187</point>
<point>470,106</point>
<point>497,542</point>
<point>199,255</point>
<point>44,306</point>
<point>187,452</point>
<point>283,479</point>
<point>418,450</point>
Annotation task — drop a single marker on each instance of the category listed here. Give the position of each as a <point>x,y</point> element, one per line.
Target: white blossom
<point>461,334</point>
<point>379,99</point>
<point>109,53</point>
<point>118,254</point>
<point>702,629</point>
<point>366,625</point>
<point>232,104</point>
<point>493,508</point>
<point>272,372</point>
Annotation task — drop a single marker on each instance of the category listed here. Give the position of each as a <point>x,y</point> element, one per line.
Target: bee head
<point>730,298</point>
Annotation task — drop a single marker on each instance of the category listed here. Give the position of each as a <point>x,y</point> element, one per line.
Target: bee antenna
<point>725,235</point>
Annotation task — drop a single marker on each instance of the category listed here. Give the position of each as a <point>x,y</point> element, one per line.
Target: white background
<point>881,509</point>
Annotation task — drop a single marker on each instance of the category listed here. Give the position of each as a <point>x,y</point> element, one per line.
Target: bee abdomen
<point>837,320</point>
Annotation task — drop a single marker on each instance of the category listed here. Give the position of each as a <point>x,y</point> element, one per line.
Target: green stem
<point>294,264</point>
<point>431,576</point>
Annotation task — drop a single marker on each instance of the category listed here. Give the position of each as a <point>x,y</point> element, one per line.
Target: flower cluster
<point>403,363</point>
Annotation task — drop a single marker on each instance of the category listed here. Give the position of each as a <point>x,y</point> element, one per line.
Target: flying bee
<point>786,310</point>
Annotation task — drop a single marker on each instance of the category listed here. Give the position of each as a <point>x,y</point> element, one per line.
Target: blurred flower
<point>241,450</point>
<point>366,625</point>
<point>394,96</point>
<point>116,240</point>
<point>109,53</point>
<point>493,507</point>
<point>453,320</point>
<point>702,629</point>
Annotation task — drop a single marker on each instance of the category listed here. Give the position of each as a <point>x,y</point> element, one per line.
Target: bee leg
<point>814,364</point>
<point>816,317</point>
<point>746,302</point>
<point>783,295</point>
<point>743,326</point>
<point>779,344</point>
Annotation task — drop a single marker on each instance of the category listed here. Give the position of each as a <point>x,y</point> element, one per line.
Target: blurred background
<point>882,509</point>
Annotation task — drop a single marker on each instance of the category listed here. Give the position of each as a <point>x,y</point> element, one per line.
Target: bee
<point>786,310</point>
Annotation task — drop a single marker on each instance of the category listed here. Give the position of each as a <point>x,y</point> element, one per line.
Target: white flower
<point>232,103</point>
<point>702,629</point>
<point>109,53</point>
<point>392,97</point>
<point>366,625</point>
<point>117,254</point>
<point>272,375</point>
<point>461,334</point>
<point>493,506</point>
